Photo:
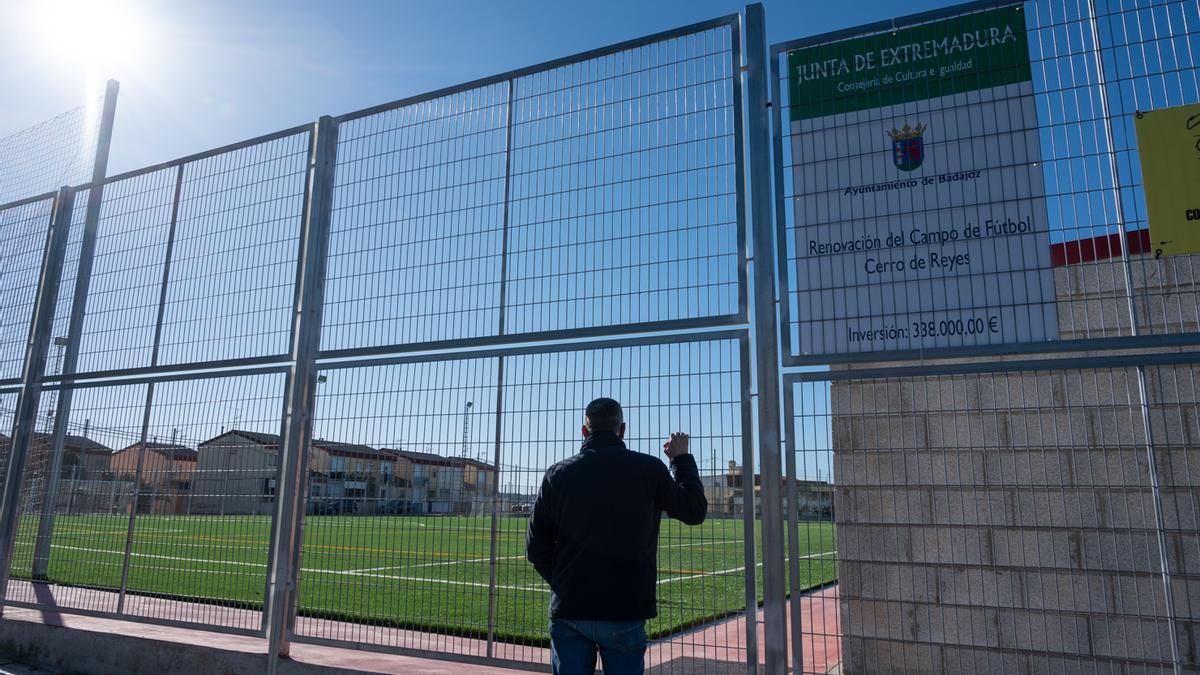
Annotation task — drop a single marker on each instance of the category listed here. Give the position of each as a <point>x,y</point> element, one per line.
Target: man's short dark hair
<point>603,414</point>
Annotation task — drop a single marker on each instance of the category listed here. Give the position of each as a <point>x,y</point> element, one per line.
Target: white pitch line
<point>448,562</point>
<point>732,570</point>
<point>476,584</point>
<point>436,564</point>
<point>396,577</point>
<point>715,542</point>
<point>160,557</point>
<point>310,571</point>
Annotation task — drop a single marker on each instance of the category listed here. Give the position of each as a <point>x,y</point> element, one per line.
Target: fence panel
<point>598,195</point>
<point>194,264</point>
<point>233,256</point>
<point>626,177</point>
<point>416,236</point>
<point>88,553</point>
<point>1150,54</point>
<point>445,456</point>
<point>24,229</point>
<point>60,151</point>
<point>131,245</point>
<point>400,489</point>
<point>153,518</point>
<point>194,261</point>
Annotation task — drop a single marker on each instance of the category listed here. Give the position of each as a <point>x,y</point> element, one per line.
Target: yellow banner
<point>1169,142</point>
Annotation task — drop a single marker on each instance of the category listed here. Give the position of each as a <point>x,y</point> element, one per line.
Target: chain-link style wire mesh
<point>60,151</point>
<point>589,196</point>
<point>624,189</point>
<point>141,527</point>
<point>24,229</point>
<point>433,441</point>
<point>194,262</point>
<point>597,195</point>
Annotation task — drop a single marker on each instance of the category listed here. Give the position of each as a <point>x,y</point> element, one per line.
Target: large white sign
<point>919,199</point>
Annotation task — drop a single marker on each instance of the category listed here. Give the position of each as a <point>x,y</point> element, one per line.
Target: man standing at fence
<point>593,536</point>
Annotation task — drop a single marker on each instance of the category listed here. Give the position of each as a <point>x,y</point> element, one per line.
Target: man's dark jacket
<point>593,533</point>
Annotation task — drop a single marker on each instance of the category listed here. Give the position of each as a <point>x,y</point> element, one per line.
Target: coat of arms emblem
<point>908,150</point>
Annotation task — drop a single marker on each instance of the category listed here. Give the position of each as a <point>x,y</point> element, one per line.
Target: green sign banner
<point>976,51</point>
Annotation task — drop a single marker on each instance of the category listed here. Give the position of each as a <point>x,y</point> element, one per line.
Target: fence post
<point>83,277</point>
<point>301,393</point>
<point>33,371</point>
<point>749,549</point>
<point>1135,330</point>
<point>497,455</point>
<point>766,339</point>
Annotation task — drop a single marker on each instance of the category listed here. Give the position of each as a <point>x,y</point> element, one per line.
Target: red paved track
<point>717,648</point>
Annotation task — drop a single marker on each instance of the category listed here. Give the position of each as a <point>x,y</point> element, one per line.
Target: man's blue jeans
<point>573,646</point>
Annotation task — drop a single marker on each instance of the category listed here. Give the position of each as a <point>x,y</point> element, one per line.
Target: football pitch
<point>422,572</point>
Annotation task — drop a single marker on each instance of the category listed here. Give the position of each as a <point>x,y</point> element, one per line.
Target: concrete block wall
<point>1005,522</point>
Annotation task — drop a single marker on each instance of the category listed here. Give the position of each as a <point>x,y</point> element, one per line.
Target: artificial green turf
<point>423,572</point>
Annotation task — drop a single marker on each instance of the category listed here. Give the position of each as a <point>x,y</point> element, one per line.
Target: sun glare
<point>98,38</point>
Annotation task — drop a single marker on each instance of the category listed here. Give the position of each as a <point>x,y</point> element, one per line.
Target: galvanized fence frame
<point>77,369</point>
<point>504,343</point>
<point>71,377</point>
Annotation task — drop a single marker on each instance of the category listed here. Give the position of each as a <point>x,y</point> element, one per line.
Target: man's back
<point>593,533</point>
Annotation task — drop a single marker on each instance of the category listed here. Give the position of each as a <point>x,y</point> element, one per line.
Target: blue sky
<point>204,74</point>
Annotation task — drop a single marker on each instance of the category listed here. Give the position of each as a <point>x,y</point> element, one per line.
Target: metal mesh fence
<point>591,196</point>
<point>1054,152</point>
<point>127,271</point>
<point>625,180</point>
<point>24,229</point>
<point>233,255</point>
<point>447,468</point>
<point>998,517</point>
<point>60,151</point>
<point>988,516</point>
<point>141,528</point>
<point>418,223</point>
<point>410,446</point>
<point>1001,522</point>
<point>702,577</point>
<point>194,262</point>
